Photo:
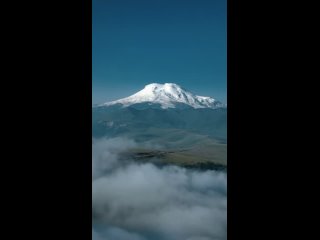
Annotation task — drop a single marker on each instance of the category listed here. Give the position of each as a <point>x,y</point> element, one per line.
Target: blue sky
<point>136,42</point>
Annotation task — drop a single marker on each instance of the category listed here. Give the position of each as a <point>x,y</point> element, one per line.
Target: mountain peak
<point>165,86</point>
<point>168,95</point>
<point>162,84</point>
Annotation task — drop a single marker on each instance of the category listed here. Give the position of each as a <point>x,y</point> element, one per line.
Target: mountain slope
<point>115,120</point>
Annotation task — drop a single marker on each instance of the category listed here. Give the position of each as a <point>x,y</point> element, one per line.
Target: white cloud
<point>147,202</point>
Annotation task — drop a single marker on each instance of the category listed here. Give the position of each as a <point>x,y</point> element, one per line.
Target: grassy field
<point>214,154</point>
<point>176,146</point>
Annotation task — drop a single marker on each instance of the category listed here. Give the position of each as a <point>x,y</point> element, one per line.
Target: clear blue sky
<point>136,42</point>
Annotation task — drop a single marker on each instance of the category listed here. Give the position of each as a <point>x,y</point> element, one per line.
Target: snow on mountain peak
<point>168,95</point>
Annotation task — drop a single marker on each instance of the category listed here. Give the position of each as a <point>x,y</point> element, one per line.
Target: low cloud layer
<point>105,154</point>
<point>143,202</point>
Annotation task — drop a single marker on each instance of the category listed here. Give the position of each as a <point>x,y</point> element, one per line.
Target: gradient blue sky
<point>136,42</point>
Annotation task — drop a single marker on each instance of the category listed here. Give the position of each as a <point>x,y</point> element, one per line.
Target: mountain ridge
<point>167,95</point>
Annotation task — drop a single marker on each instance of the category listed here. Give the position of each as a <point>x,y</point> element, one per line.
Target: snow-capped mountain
<point>168,95</point>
